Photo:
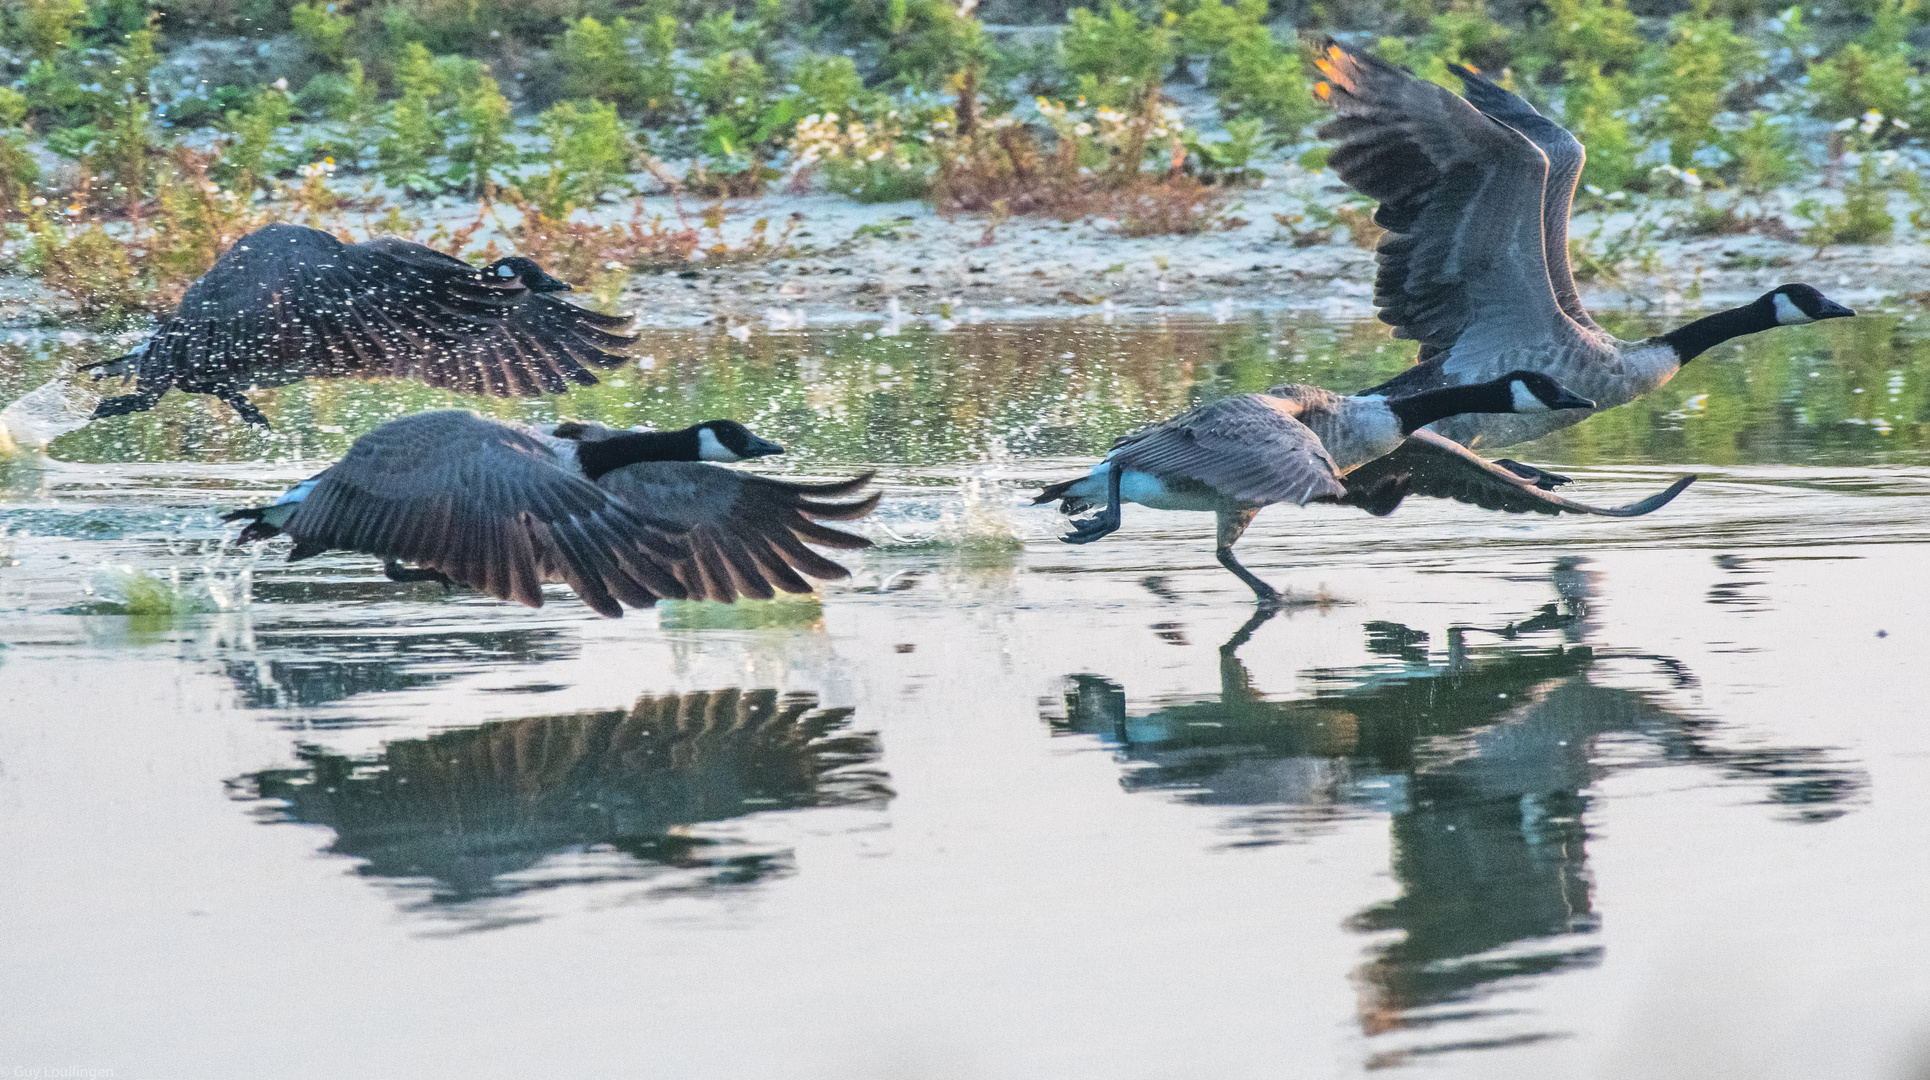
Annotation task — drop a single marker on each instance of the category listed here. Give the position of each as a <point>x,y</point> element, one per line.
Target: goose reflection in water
<point>1481,759</point>
<point>482,811</point>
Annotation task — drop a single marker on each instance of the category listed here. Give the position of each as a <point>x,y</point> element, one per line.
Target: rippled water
<point>1506,798</point>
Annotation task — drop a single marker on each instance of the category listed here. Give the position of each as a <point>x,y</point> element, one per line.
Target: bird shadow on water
<point>1482,758</point>
<point>467,823</point>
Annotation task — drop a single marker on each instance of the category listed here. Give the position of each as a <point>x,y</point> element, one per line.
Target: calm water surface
<point>1639,798</point>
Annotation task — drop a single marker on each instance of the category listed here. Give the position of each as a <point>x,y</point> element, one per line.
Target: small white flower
<point>1592,190</point>
<point>39,201</point>
<point>281,84</point>
<point>1082,128</point>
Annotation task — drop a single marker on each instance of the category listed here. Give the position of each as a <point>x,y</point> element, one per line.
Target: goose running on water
<point>286,303</point>
<point>622,517</point>
<point>1475,195</point>
<point>1299,444</point>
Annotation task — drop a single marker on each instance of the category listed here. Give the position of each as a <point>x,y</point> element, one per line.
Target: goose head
<point>1795,304</point>
<point>534,278</point>
<point>1531,391</point>
<point>728,440</point>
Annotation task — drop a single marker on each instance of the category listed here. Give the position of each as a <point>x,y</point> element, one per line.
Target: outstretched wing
<point>543,344</point>
<point>1566,156</point>
<point>746,533</point>
<point>1250,448</point>
<point>1438,467</point>
<point>1461,198</point>
<point>288,302</point>
<point>490,507</point>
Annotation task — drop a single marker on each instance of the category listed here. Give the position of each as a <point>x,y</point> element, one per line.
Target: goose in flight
<point>1475,196</point>
<point>286,303</point>
<point>1301,444</point>
<point>622,517</point>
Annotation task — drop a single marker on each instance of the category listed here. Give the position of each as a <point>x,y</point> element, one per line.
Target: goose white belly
<point>1147,490</point>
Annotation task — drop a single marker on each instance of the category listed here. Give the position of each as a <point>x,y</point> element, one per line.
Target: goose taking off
<point>287,303</point>
<point>1299,444</point>
<point>623,517</point>
<point>1475,196</point>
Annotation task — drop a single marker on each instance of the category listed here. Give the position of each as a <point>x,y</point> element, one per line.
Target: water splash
<point>206,589</point>
<point>45,413</point>
<point>980,523</point>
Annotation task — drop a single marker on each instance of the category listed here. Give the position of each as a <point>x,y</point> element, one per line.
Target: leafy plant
<point>249,155</point>
<point>323,29</point>
<point>18,169</point>
<point>1229,161</point>
<point>1252,73</point>
<point>1117,58</point>
<point>590,151</point>
<point>1703,59</point>
<point>1873,73</point>
<point>480,152</point>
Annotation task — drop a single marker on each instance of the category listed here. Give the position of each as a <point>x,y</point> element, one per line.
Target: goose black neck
<point>1416,411</point>
<point>1704,334</point>
<point>601,455</point>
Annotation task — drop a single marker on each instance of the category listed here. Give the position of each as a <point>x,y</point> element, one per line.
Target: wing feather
<point>1249,448</point>
<point>287,302</point>
<point>487,505</point>
<point>1461,197</point>
<point>1438,467</point>
<point>747,533</point>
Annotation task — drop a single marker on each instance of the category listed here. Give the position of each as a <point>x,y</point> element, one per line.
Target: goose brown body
<point>504,509</point>
<point>1474,264</point>
<point>287,303</point>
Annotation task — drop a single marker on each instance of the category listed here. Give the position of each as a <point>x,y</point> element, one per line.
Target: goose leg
<point>1232,523</point>
<point>395,571</point>
<point>139,401</point>
<point>243,406</point>
<point>1545,480</point>
<point>1105,522</point>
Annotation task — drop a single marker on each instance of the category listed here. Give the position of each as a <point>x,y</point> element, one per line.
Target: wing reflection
<point>482,811</point>
<point>1481,758</point>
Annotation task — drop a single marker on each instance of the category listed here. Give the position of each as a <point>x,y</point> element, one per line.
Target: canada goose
<point>622,517</point>
<point>1298,444</point>
<point>287,303</point>
<point>1474,265</point>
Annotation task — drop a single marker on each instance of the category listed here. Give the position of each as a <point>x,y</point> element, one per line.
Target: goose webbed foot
<point>395,571</point>
<point>127,403</point>
<point>1545,480</point>
<point>1086,530</point>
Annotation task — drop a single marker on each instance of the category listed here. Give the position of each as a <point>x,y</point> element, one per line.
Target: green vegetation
<point>174,127</point>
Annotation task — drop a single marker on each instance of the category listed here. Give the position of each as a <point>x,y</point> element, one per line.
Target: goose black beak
<point>1833,310</point>
<point>762,448</point>
<point>546,283</point>
<point>1570,400</point>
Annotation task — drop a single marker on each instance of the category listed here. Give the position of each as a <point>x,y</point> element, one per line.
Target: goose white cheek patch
<point>709,449</point>
<point>504,271</point>
<point>1788,314</point>
<point>1525,399</point>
